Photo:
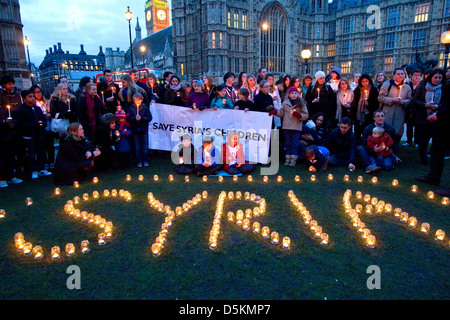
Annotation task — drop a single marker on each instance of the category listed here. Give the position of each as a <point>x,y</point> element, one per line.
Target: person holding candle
<point>394,98</point>
<point>129,88</point>
<point>184,156</point>
<point>321,98</point>
<point>365,102</point>
<point>11,100</point>
<point>427,101</point>
<point>152,85</point>
<point>123,145</point>
<point>293,112</point>
<point>42,103</point>
<point>75,156</point>
<point>228,82</point>
<point>198,99</point>
<point>208,160</point>
<point>317,157</point>
<point>381,145</point>
<point>32,123</point>
<point>344,99</point>
<point>221,101</point>
<point>110,91</point>
<point>175,94</point>
<point>233,156</point>
<point>90,109</point>
<point>139,116</point>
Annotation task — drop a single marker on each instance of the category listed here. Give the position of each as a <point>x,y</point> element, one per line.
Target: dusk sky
<point>93,23</point>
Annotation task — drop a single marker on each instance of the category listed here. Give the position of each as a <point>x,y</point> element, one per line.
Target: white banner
<point>171,122</point>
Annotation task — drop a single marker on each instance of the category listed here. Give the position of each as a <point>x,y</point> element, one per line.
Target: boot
<point>293,161</point>
<point>288,160</point>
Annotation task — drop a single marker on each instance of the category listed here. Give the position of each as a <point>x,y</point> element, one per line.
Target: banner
<point>171,122</point>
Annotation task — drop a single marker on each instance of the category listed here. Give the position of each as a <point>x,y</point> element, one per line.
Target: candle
<point>400,92</point>
<point>324,238</point>
<point>68,104</point>
<point>57,191</point>
<point>103,97</point>
<point>27,247</point>
<point>430,195</point>
<point>9,112</point>
<point>265,232</point>
<point>297,178</point>
<point>365,95</point>
<point>76,184</point>
<point>28,201</point>
<point>186,178</point>
<point>425,228</point>
<point>235,178</point>
<point>274,237</point>
<point>440,235</point>
<point>318,93</point>
<point>95,180</point>
<point>84,246</point>
<point>101,239</point>
<point>250,178</point>
<point>412,222</point>
<point>286,243</point>
<point>55,253</point>
<point>205,178</point>
<point>156,249</point>
<point>2,213</point>
<point>374,180</point>
<point>395,182</point>
<point>38,252</point>
<point>445,201</point>
<point>256,228</point>
<point>230,217</point>
<point>141,177</point>
<point>279,178</point>
<point>70,249</point>
<point>371,240</point>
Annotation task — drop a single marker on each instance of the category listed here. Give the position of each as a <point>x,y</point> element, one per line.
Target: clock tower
<point>156,16</point>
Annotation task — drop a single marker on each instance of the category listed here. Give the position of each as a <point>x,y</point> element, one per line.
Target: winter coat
<point>28,121</point>
<point>218,103</point>
<point>201,100</point>
<point>326,103</point>
<point>107,90</point>
<point>140,126</point>
<point>99,109</point>
<point>290,121</point>
<point>418,104</point>
<point>337,142</point>
<point>124,144</point>
<point>394,114</point>
<point>385,140</point>
<point>262,101</point>
<point>175,98</point>
<point>61,107</point>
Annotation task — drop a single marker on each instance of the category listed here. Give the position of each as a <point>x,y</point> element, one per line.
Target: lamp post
<point>143,49</point>
<point>27,43</point>
<point>263,38</point>
<point>445,39</point>
<point>306,54</point>
<point>129,16</point>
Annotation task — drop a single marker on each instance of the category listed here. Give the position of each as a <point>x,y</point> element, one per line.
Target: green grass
<point>244,266</point>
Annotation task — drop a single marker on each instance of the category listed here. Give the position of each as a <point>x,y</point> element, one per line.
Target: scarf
<point>433,93</point>
<point>342,99</point>
<point>362,108</point>
<point>175,88</point>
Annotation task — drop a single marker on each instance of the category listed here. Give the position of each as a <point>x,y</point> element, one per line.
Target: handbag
<point>59,125</point>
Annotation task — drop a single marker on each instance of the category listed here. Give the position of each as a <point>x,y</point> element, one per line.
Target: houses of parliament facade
<point>368,36</point>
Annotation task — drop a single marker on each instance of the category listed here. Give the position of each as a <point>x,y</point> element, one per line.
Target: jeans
<point>363,157</point>
<point>141,145</point>
<point>387,163</point>
<point>340,159</point>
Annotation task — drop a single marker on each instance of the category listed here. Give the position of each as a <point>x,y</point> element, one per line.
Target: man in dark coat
<point>109,91</point>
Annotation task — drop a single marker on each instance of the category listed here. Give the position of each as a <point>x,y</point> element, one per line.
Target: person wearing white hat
<point>321,98</point>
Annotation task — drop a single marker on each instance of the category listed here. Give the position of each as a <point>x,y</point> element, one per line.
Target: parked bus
<point>143,73</point>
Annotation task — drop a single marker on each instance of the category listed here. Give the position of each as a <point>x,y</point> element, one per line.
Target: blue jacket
<point>123,145</point>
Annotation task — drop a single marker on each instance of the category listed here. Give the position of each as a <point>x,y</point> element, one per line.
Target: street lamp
<point>445,39</point>
<point>27,43</point>
<point>129,16</point>
<point>306,54</point>
<point>143,49</point>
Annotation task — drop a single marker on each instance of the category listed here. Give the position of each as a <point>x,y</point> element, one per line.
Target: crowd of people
<point>326,120</point>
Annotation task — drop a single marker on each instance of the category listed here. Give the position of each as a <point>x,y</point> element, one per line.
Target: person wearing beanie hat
<point>198,99</point>
<point>335,79</point>
<point>122,130</point>
<point>321,98</point>
<point>294,112</point>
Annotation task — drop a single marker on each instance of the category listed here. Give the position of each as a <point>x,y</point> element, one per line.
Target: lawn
<point>244,265</point>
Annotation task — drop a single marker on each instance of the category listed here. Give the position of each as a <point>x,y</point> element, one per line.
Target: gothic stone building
<point>12,51</point>
<point>215,37</point>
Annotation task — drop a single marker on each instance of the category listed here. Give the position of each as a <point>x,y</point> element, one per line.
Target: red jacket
<point>385,140</point>
<point>240,155</point>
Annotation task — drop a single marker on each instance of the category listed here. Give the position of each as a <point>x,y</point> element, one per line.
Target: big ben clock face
<point>161,14</point>
<point>149,15</point>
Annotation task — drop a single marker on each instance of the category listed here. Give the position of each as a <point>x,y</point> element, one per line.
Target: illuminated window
<point>236,20</point>
<point>388,63</point>
<point>273,40</point>
<point>229,19</point>
<point>182,69</point>
<point>369,45</point>
<point>220,40</point>
<point>421,12</point>
<point>244,21</point>
<point>346,67</point>
<point>331,50</point>
<point>213,38</point>
<point>317,50</point>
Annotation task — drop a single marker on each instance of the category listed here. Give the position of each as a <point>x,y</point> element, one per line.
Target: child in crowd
<point>106,139</point>
<point>198,99</point>
<point>233,156</point>
<point>318,157</point>
<point>139,116</point>
<point>185,156</point>
<point>221,101</point>
<point>293,111</point>
<point>381,143</point>
<point>243,103</point>
<point>208,158</point>
<point>123,131</point>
